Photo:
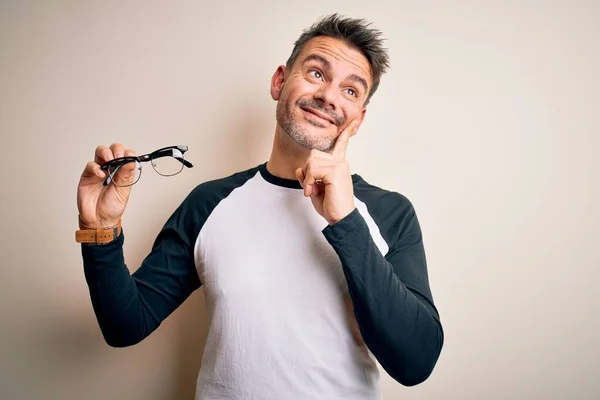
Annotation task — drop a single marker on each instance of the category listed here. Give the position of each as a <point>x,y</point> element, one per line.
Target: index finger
<point>341,144</point>
<point>102,155</point>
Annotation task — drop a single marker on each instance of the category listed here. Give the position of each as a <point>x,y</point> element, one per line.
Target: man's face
<point>322,92</point>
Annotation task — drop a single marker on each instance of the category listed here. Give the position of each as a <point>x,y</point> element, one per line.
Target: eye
<point>352,92</point>
<point>315,73</point>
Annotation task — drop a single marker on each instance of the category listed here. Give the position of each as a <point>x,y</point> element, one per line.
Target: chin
<point>306,132</point>
<point>314,138</point>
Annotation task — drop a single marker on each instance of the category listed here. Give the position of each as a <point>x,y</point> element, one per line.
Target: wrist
<point>98,224</point>
<point>97,235</point>
<point>341,216</point>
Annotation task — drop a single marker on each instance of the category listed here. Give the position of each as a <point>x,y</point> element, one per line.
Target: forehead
<point>341,56</point>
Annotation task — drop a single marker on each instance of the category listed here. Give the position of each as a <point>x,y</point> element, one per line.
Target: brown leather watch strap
<point>97,235</point>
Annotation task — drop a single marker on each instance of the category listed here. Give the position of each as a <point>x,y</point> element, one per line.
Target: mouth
<point>318,114</point>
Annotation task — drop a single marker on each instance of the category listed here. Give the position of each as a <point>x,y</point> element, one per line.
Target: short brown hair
<point>354,32</point>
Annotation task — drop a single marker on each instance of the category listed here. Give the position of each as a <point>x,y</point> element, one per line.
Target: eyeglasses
<point>126,171</point>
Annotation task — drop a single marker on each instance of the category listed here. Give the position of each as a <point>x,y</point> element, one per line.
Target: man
<point>310,273</point>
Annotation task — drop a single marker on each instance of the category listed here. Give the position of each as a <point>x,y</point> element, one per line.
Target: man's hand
<point>326,179</point>
<point>99,205</point>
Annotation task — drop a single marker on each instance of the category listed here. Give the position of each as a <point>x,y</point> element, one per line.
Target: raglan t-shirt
<point>298,309</point>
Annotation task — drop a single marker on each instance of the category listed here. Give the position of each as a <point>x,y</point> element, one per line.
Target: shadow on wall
<point>240,136</point>
<point>244,143</point>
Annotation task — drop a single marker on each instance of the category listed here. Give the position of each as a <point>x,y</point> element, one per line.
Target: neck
<point>286,156</point>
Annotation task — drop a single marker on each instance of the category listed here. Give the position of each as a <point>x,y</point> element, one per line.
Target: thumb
<point>128,173</point>
<point>92,173</point>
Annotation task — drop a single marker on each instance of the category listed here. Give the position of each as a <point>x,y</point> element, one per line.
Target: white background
<point>488,121</point>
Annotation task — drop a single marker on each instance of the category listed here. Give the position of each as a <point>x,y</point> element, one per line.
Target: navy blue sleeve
<point>129,307</point>
<point>391,297</point>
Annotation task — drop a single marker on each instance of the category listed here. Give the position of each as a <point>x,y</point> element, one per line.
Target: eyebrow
<point>327,65</point>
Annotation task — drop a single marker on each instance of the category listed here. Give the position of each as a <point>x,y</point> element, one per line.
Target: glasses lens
<point>168,166</point>
<point>125,174</point>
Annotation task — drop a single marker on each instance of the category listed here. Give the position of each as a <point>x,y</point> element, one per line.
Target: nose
<point>328,96</point>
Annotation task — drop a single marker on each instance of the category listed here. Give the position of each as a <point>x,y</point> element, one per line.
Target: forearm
<point>399,325</point>
<point>122,315</point>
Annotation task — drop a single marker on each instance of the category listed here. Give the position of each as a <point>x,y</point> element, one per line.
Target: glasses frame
<point>117,163</point>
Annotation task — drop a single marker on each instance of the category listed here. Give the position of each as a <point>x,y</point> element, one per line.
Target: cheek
<point>299,87</point>
<point>287,94</point>
<point>352,112</point>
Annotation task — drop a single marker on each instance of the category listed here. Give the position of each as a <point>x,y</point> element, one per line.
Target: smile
<point>316,114</point>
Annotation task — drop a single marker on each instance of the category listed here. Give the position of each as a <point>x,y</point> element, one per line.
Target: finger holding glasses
<point>101,203</point>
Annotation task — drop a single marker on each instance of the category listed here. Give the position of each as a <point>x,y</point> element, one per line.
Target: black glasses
<point>126,171</point>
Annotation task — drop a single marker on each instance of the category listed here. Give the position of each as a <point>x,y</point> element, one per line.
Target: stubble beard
<point>287,122</point>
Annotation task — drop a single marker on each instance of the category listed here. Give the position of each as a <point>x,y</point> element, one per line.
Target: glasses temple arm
<point>110,176</point>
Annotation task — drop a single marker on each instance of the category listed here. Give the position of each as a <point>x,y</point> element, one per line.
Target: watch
<point>85,234</point>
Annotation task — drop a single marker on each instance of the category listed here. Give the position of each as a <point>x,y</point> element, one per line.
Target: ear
<point>277,82</point>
